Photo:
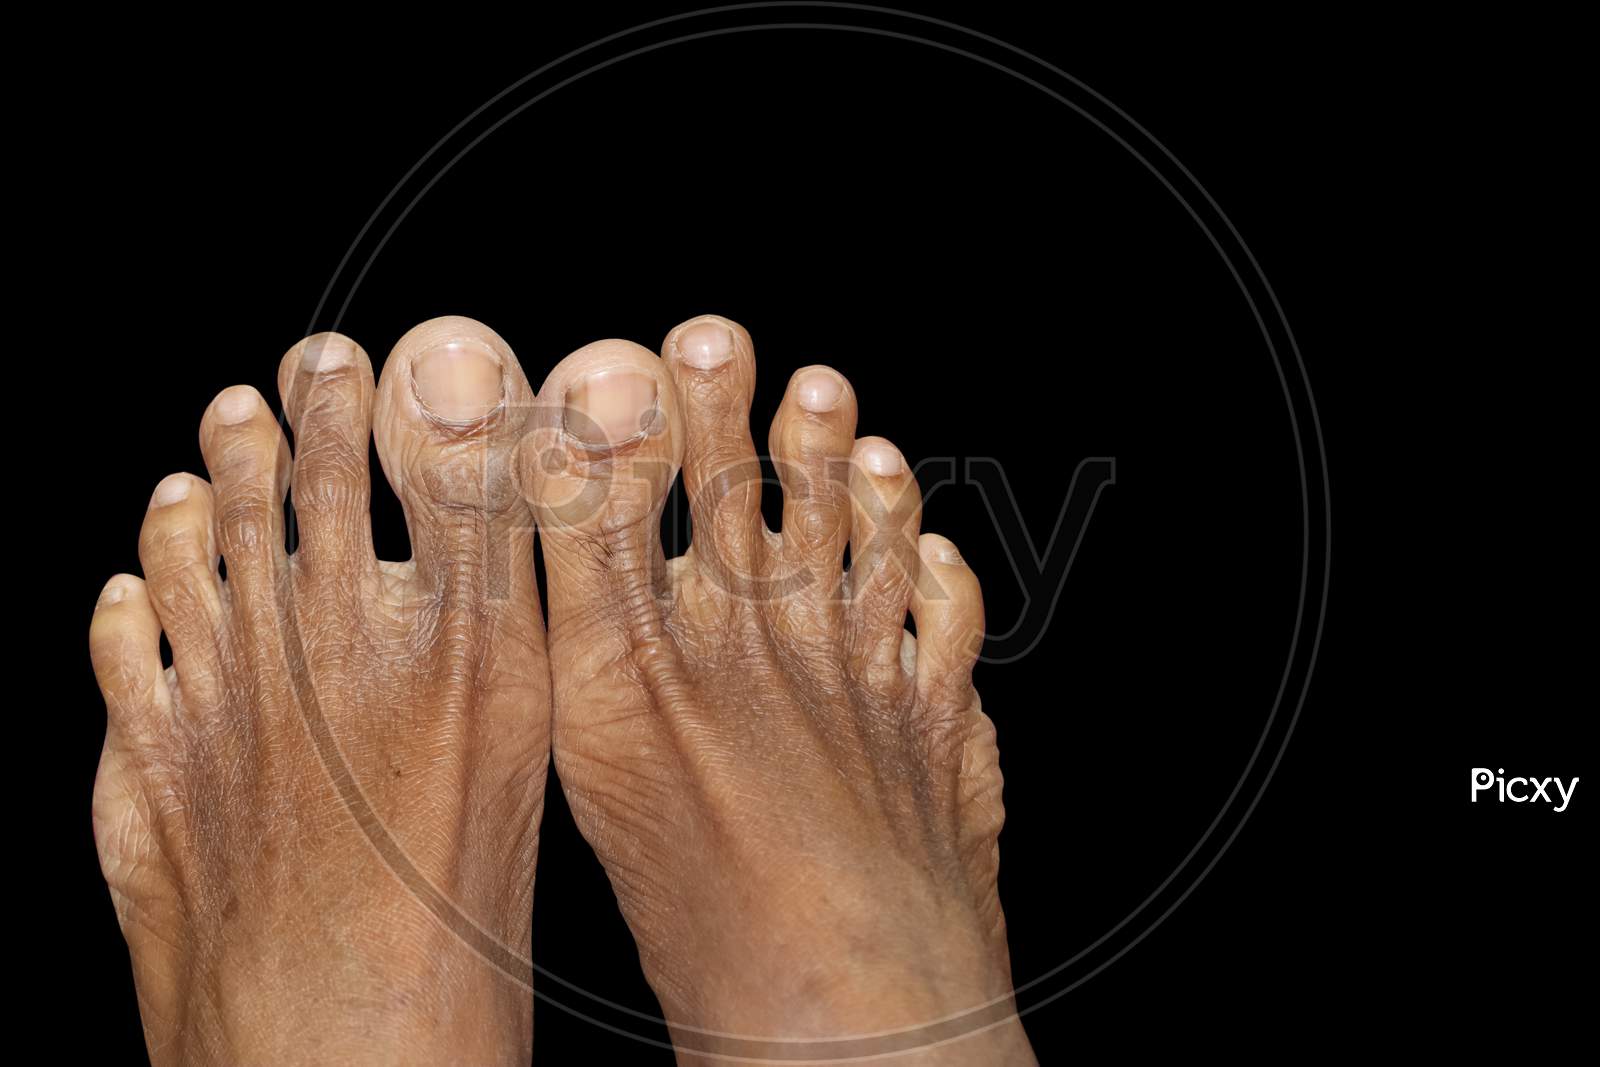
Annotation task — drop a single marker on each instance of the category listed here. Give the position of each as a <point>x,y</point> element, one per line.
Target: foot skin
<point>265,921</point>
<point>797,802</point>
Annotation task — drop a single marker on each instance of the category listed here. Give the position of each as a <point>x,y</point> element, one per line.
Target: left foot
<point>319,825</point>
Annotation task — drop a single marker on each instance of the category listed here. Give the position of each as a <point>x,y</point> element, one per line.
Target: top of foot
<point>796,800</point>
<point>319,824</point>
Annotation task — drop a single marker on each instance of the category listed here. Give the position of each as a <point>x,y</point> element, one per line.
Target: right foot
<point>796,801</point>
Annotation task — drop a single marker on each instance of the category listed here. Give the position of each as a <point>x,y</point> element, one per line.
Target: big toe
<point>597,463</point>
<point>451,405</point>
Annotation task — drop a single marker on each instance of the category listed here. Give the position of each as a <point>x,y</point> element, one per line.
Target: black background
<point>997,279</point>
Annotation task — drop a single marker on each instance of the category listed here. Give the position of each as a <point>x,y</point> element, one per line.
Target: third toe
<point>886,515</point>
<point>248,458</point>
<point>811,441</point>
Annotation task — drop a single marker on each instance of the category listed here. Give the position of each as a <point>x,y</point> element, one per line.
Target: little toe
<point>811,442</point>
<point>886,514</point>
<point>450,408</point>
<point>125,647</point>
<point>326,385</point>
<point>712,363</point>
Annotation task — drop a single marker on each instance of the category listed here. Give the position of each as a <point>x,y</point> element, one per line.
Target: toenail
<point>113,594</point>
<point>236,404</point>
<point>942,552</point>
<point>327,353</point>
<point>705,345</point>
<point>819,390</point>
<point>611,407</point>
<point>458,381</point>
<point>173,488</point>
<point>882,460</point>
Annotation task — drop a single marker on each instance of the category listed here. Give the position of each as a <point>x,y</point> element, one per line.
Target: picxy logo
<point>1521,790</point>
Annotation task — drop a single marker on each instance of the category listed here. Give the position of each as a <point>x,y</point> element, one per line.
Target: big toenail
<point>819,390</point>
<point>458,381</point>
<point>611,407</point>
<point>329,352</point>
<point>882,460</point>
<point>236,404</point>
<point>173,488</point>
<point>705,345</point>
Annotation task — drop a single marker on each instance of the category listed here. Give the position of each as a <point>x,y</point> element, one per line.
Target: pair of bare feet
<point>319,825</point>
